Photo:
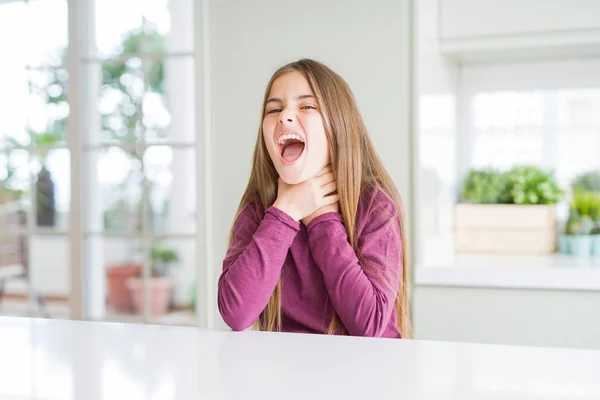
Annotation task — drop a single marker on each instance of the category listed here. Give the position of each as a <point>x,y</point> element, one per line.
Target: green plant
<point>596,229</point>
<point>589,182</point>
<point>163,258</point>
<point>483,186</point>
<point>161,253</point>
<point>579,225</point>
<point>595,207</point>
<point>12,188</point>
<point>587,204</point>
<point>529,184</point>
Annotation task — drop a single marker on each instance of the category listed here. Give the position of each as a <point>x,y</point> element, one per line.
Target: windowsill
<point>552,272</point>
<point>441,266</point>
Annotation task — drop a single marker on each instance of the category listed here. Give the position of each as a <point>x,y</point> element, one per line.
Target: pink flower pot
<point>118,295</point>
<point>160,294</point>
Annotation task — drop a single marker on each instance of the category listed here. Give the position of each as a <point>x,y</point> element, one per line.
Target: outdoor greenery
<point>519,185</point>
<point>584,214</point>
<point>122,122</point>
<point>589,181</point>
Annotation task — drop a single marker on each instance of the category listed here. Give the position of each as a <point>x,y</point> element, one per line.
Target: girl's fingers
<point>324,171</point>
<point>328,200</point>
<point>326,179</point>
<point>329,188</point>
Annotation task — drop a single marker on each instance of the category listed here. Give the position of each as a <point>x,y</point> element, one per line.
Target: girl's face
<point>293,129</point>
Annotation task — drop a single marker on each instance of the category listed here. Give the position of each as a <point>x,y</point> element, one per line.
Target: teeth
<point>283,138</point>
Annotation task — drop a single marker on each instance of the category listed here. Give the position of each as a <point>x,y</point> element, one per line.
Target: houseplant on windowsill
<point>582,231</point>
<point>507,212</point>
<point>595,217</point>
<point>578,233</point>
<point>595,232</point>
<point>164,259</point>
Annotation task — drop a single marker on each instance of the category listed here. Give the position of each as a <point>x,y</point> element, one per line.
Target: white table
<point>51,359</point>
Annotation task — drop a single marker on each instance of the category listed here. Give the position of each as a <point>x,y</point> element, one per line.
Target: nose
<point>286,116</point>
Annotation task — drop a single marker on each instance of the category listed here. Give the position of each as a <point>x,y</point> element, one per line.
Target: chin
<point>292,177</point>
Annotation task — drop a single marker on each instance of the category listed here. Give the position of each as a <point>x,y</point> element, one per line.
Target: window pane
<point>118,27</point>
<point>579,107</point>
<point>173,284</point>
<point>45,261</point>
<point>13,25</point>
<point>47,108</point>
<point>172,20</point>
<point>556,129</point>
<point>171,287</point>
<point>13,76</point>
<point>122,260</point>
<point>169,104</point>
<point>507,109</point>
<point>119,103</point>
<point>15,179</point>
<point>51,173</point>
<point>171,175</point>
<point>15,200</point>
<point>437,168</point>
<point>167,27</point>
<point>113,191</point>
<point>47,32</point>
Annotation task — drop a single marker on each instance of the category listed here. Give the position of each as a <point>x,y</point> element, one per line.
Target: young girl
<point>318,244</point>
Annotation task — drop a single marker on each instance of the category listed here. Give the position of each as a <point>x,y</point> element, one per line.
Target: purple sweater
<point>318,267</point>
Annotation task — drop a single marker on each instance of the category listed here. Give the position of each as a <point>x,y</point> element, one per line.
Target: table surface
<point>54,359</point>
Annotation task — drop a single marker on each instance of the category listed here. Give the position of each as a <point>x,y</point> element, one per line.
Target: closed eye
<point>309,108</point>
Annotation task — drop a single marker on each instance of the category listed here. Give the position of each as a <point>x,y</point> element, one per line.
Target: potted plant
<point>582,230</point>
<point>595,233</point>
<point>587,182</point>
<point>595,217</point>
<point>512,211</point>
<point>117,275</point>
<point>578,232</point>
<point>163,259</point>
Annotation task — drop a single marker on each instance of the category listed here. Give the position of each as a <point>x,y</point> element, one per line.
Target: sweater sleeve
<point>362,293</point>
<point>253,263</point>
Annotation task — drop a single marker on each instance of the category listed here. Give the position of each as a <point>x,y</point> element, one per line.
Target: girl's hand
<point>335,207</point>
<point>305,199</point>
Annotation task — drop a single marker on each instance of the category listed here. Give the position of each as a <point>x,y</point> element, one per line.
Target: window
<point>34,158</point>
<point>558,129</point>
<point>501,115</point>
<point>135,75</point>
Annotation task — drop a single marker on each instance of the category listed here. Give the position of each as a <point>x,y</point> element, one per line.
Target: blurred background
<point>127,128</point>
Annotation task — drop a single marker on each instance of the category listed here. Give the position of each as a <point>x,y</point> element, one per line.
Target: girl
<point>317,245</point>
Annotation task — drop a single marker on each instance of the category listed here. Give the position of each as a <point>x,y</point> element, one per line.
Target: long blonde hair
<point>355,164</point>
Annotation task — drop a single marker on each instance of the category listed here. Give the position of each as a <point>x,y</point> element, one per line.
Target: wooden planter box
<point>505,228</point>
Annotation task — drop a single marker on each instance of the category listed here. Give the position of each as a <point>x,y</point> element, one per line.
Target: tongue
<point>292,152</point>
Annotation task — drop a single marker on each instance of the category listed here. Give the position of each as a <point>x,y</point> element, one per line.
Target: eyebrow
<point>302,97</point>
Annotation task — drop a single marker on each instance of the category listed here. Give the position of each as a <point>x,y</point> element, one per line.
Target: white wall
<point>437,78</point>
<point>472,18</point>
<point>505,316</point>
<point>249,40</point>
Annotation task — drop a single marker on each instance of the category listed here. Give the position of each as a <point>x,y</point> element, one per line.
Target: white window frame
<point>84,284</point>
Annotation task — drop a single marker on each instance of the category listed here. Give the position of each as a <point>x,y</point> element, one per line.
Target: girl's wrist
<point>282,206</point>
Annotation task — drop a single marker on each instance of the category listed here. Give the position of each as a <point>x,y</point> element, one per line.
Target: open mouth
<point>291,147</point>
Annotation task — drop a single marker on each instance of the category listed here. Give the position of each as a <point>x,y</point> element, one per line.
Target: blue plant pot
<point>563,244</point>
<point>596,245</point>
<point>581,245</point>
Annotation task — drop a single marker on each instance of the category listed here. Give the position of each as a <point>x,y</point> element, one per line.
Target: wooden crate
<point>505,228</point>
